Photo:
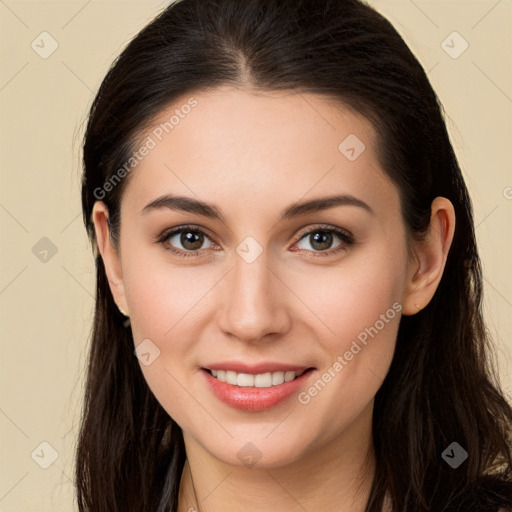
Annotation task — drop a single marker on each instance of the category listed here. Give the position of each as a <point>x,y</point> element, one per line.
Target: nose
<point>253,301</point>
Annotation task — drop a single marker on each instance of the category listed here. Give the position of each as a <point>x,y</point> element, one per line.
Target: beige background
<point>46,305</point>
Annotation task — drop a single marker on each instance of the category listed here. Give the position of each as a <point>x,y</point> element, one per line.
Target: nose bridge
<point>251,306</point>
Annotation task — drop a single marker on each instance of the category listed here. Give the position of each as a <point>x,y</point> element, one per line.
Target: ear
<point>110,256</point>
<point>427,264</point>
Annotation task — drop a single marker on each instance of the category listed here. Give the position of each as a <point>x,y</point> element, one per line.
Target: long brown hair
<point>442,385</point>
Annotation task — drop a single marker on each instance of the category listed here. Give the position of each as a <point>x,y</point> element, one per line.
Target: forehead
<point>229,143</point>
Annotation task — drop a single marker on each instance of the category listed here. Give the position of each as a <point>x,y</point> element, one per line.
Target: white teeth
<point>244,380</point>
<point>277,378</point>
<point>288,376</point>
<point>231,378</point>
<point>261,380</point>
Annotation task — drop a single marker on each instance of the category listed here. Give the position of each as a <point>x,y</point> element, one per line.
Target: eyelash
<point>345,236</point>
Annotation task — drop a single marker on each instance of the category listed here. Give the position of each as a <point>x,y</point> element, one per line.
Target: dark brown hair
<point>442,385</point>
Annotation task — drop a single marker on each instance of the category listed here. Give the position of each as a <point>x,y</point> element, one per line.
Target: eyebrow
<point>191,205</point>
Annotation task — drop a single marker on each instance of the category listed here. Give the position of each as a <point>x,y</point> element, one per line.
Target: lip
<point>252,399</point>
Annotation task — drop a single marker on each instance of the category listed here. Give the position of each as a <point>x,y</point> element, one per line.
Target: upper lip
<point>255,369</point>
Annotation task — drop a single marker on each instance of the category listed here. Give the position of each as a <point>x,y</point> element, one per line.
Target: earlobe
<point>109,254</point>
<point>430,254</point>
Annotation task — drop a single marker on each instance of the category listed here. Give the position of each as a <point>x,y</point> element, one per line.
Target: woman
<point>288,311</point>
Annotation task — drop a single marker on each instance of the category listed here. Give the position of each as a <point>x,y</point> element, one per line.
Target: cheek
<point>356,293</point>
<point>162,295</point>
<point>359,304</point>
<point>164,302</point>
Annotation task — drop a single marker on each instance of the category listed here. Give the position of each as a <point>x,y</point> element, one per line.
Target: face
<point>256,288</point>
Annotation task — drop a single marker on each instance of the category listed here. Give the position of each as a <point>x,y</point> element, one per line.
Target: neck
<point>335,476</point>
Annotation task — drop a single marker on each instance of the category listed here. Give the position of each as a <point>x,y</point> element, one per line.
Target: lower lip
<point>251,398</point>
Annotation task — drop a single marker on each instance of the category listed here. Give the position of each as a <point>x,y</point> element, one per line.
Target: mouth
<point>254,390</point>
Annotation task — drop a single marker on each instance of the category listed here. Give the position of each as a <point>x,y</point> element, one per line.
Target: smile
<point>260,380</point>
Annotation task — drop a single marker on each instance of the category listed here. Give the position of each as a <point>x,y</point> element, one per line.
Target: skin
<point>252,155</point>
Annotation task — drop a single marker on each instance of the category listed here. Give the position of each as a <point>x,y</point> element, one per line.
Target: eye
<point>321,239</point>
<point>191,239</point>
